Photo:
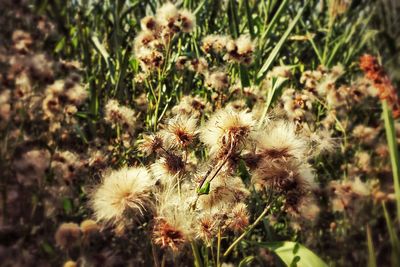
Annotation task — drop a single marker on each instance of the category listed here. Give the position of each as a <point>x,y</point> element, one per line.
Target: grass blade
<point>371,249</point>
<point>280,44</point>
<point>393,150</point>
<point>394,240</point>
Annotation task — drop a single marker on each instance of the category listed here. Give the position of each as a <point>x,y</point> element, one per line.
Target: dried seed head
<point>67,235</point>
<point>143,40</point>
<point>216,43</point>
<point>167,168</point>
<point>167,236</point>
<point>199,65</point>
<point>207,227</point>
<point>217,80</point>
<point>180,131</point>
<point>116,114</point>
<point>181,62</point>
<point>89,227</point>
<point>151,144</point>
<point>149,23</point>
<point>22,41</point>
<point>66,165</point>
<point>187,20</point>
<point>224,191</point>
<point>227,131</point>
<point>167,15</point>
<point>280,140</point>
<point>31,165</point>
<point>123,194</point>
<point>239,218</point>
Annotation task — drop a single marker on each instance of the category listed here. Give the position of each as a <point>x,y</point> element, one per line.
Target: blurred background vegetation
<point>100,36</point>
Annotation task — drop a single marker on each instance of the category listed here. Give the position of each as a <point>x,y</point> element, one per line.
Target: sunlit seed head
<point>180,131</point>
<point>224,190</point>
<point>199,65</point>
<point>123,194</point>
<point>187,20</point>
<point>245,46</point>
<point>279,140</point>
<point>227,131</point>
<point>207,227</point>
<point>149,23</point>
<point>167,14</point>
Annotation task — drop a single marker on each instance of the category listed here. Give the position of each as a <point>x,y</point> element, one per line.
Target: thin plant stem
<point>219,246</point>
<point>243,235</point>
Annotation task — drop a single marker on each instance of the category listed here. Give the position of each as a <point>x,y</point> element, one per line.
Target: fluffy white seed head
<point>123,194</point>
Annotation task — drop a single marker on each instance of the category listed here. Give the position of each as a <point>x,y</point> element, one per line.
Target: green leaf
<point>67,205</point>
<point>246,261</point>
<point>204,190</point>
<point>294,254</point>
<point>47,248</point>
<point>280,44</point>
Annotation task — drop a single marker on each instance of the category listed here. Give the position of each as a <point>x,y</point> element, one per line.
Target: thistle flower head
<point>279,140</point>
<point>217,80</point>
<point>174,223</point>
<point>180,131</point>
<point>207,226</point>
<point>151,144</point>
<point>149,23</point>
<point>66,165</point>
<point>199,65</point>
<point>227,131</point>
<point>216,43</point>
<point>168,167</point>
<point>118,114</point>
<point>123,194</point>
<point>187,20</point>
<point>190,106</point>
<point>238,218</point>
<point>167,14</point>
